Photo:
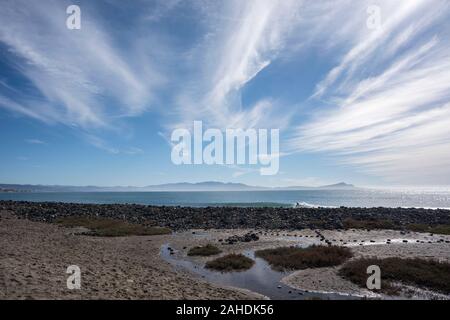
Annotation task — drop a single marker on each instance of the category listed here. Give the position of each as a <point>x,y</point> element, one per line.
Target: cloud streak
<point>78,77</point>
<point>244,37</point>
<point>35,141</point>
<point>382,107</point>
<point>388,100</point>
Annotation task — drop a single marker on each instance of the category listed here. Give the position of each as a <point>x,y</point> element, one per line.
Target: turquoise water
<point>333,198</point>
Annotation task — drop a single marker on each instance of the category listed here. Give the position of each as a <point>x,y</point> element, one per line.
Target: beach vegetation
<point>105,227</point>
<point>295,258</point>
<point>230,262</point>
<point>370,224</point>
<point>437,229</point>
<point>429,274</point>
<point>208,250</point>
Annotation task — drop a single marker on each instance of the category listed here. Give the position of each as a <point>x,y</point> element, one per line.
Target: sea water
<point>306,198</point>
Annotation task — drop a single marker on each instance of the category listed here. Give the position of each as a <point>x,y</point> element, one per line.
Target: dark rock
<point>182,218</point>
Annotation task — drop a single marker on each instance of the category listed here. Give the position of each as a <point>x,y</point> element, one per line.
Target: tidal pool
<point>261,278</point>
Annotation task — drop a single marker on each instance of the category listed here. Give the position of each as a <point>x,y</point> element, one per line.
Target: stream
<point>261,278</point>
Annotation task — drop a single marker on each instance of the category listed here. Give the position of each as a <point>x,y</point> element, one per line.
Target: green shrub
<point>350,223</point>
<point>208,250</point>
<point>231,262</point>
<point>294,258</point>
<point>105,227</point>
<point>430,274</point>
<point>438,229</point>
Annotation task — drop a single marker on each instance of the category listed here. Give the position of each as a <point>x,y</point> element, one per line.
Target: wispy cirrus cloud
<point>243,38</point>
<point>76,77</point>
<point>35,141</point>
<point>104,145</point>
<point>388,99</point>
<point>383,106</point>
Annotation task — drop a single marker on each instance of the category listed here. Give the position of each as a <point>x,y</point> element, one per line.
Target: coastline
<point>36,251</point>
<point>270,218</point>
<point>322,198</point>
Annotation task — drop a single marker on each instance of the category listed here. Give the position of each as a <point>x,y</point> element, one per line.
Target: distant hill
<point>341,185</point>
<point>6,190</point>
<point>203,186</point>
<point>337,186</point>
<point>182,186</point>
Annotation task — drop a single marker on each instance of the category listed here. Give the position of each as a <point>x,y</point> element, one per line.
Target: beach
<point>36,252</point>
<point>34,258</point>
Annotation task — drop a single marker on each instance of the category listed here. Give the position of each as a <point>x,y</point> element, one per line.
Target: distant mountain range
<point>183,186</point>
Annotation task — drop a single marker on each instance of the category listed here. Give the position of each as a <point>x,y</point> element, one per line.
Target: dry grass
<point>317,224</point>
<point>430,274</point>
<point>208,250</point>
<point>293,258</point>
<point>350,223</point>
<point>230,262</point>
<point>104,227</point>
<point>438,229</point>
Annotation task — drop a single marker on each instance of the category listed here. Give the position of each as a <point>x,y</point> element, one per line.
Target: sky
<point>360,90</point>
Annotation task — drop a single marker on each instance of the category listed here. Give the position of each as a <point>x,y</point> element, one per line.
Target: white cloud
<point>389,110</point>
<point>133,151</point>
<point>100,144</point>
<point>104,145</point>
<point>366,46</point>
<point>78,76</point>
<point>244,37</point>
<point>383,107</point>
<point>35,141</point>
<point>160,9</point>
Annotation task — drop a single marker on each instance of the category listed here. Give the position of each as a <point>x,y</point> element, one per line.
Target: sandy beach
<point>35,255</point>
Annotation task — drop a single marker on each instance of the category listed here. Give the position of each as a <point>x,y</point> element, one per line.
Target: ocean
<point>306,198</point>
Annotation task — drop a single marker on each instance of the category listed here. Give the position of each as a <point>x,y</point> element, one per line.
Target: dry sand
<point>34,257</point>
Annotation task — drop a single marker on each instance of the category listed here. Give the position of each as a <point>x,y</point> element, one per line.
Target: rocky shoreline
<point>184,218</point>
<point>35,253</point>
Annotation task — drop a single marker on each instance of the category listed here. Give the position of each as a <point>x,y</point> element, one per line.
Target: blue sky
<point>96,106</point>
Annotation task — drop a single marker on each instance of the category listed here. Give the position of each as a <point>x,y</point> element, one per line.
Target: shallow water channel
<point>261,278</point>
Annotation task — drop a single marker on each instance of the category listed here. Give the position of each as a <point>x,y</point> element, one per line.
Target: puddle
<point>260,278</point>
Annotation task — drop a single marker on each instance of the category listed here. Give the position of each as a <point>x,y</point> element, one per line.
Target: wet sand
<point>324,281</point>
<point>327,279</point>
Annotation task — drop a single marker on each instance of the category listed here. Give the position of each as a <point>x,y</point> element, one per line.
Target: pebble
<point>186,218</point>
